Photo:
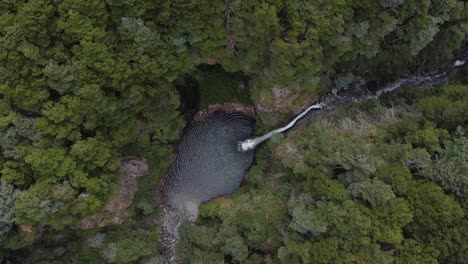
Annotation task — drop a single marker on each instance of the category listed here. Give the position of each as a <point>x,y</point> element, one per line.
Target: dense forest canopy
<point>85,84</point>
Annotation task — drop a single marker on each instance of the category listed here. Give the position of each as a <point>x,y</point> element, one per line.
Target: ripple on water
<point>208,163</point>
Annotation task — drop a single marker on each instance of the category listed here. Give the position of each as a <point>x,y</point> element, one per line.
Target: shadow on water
<point>209,85</point>
<point>189,91</point>
<point>208,163</point>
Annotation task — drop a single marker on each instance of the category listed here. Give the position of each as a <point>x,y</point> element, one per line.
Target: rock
<point>228,107</point>
<point>211,60</point>
<point>129,173</point>
<point>115,211</point>
<point>26,228</point>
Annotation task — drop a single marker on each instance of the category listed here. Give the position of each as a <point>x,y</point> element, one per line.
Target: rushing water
<point>214,154</point>
<point>208,163</point>
<point>358,94</point>
<point>251,143</point>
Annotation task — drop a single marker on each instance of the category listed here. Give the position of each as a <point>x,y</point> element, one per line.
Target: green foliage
<point>451,243</point>
<point>426,28</point>
<point>432,208</point>
<point>345,151</point>
<point>236,248</point>
<point>197,245</point>
<point>354,197</point>
<point>320,185</point>
<point>8,196</point>
<point>343,81</point>
<point>390,219</point>
<point>374,192</point>
<point>85,83</point>
<point>448,108</point>
<point>414,252</point>
<point>127,250</point>
<point>451,169</point>
<point>396,175</point>
<point>13,172</point>
<point>311,220</point>
<point>32,205</point>
<point>77,77</point>
<point>391,3</point>
<point>96,151</point>
<point>50,164</point>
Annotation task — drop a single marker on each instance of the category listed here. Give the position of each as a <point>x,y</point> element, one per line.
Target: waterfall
<point>251,143</point>
<point>332,102</point>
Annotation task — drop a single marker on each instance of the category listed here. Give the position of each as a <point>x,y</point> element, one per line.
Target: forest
<point>86,86</point>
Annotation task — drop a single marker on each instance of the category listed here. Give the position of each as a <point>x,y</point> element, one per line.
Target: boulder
<point>115,211</point>
<point>227,107</point>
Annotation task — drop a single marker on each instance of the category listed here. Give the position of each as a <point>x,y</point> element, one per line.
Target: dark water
<point>208,163</point>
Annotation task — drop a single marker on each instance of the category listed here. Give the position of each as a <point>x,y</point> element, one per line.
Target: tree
<point>33,205</point>
<point>426,28</point>
<point>451,169</point>
<point>320,217</point>
<point>451,242</point>
<point>396,175</point>
<point>432,208</point>
<point>319,185</point>
<point>15,173</point>
<point>197,244</point>
<point>321,251</point>
<point>96,152</point>
<point>391,3</point>
<point>127,250</point>
<point>446,109</point>
<point>8,196</point>
<point>313,220</point>
<point>372,191</point>
<point>415,252</point>
<point>51,164</point>
<point>429,137</point>
<point>26,128</point>
<point>346,152</point>
<point>236,248</point>
<point>389,220</point>
<point>8,138</point>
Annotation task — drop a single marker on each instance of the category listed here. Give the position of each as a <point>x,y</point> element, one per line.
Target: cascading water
<point>357,94</point>
<point>251,143</point>
<point>212,158</point>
